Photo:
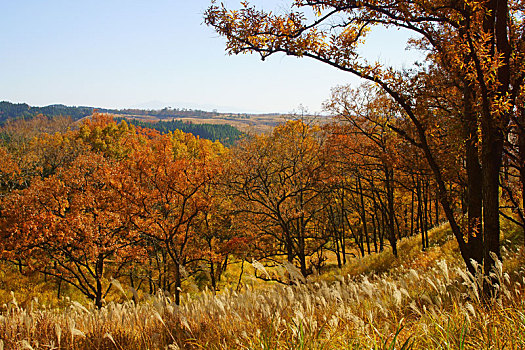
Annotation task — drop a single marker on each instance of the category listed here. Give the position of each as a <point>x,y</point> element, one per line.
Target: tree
<point>72,226</point>
<point>102,133</point>
<point>163,183</point>
<point>275,182</point>
<point>216,227</point>
<point>367,118</point>
<point>10,172</point>
<point>478,45</point>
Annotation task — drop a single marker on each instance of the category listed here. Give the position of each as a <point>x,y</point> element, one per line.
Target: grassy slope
<point>422,300</point>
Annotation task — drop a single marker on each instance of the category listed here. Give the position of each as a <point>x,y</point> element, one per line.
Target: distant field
<point>250,124</point>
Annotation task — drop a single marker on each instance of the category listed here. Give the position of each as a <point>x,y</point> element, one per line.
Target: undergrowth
<point>421,300</point>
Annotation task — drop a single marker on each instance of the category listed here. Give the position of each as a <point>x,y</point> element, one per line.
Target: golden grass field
<point>251,124</point>
<point>422,300</point>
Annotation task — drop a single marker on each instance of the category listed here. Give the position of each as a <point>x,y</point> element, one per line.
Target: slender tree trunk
<point>397,226</point>
<point>343,241</point>
<point>302,248</point>
<point>302,264</point>
<point>178,261</point>
<point>389,178</point>
<point>357,238</point>
<point>361,242</point>
<point>59,287</point>
<point>436,206</point>
<point>343,235</point>
<point>289,247</point>
<point>99,270</point>
<point>521,159</point>
<point>337,251</point>
<point>375,218</point>
<point>178,282</point>
<point>165,265</point>
<point>428,199</point>
<point>212,276</point>
<point>425,211</point>
<point>335,233</point>
<point>374,233</point>
<point>223,267</point>
<point>382,233</point>
<point>420,213</point>
<point>363,214</point>
<point>412,213</point>
<point>150,275</point>
<point>405,222</point>
<point>239,282</point>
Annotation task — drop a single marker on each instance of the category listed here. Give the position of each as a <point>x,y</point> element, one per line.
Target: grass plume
<point>424,300</point>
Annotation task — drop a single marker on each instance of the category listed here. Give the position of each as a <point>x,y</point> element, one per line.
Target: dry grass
<point>425,301</point>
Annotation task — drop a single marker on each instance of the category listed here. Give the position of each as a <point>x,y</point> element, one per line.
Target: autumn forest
<point>395,222</point>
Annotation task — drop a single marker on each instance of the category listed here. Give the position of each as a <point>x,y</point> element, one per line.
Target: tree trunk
<point>491,158</point>
<point>99,270</point>
<point>363,214</point>
<point>382,233</point>
<point>343,235</point>
<point>412,214</point>
<point>389,177</point>
<point>521,158</point>
<point>420,213</point>
<point>337,251</point>
<point>223,267</point>
<point>436,206</point>
<point>374,233</point>
<point>178,282</point>
<point>59,287</point>
<point>425,211</point>
<point>493,124</point>
<point>474,181</point>
<point>212,276</point>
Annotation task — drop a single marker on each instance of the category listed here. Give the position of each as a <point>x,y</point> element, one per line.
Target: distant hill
<point>164,120</point>
<point>253,123</point>
<point>10,110</point>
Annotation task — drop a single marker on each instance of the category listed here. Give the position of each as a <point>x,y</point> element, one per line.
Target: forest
<point>224,133</point>
<point>399,224</point>
<point>108,199</point>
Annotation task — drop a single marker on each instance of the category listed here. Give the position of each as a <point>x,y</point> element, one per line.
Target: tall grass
<point>426,301</point>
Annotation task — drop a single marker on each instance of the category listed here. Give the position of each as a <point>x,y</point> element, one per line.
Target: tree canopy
<point>474,49</point>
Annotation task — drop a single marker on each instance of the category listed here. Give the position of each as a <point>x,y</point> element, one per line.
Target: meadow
<point>421,300</point>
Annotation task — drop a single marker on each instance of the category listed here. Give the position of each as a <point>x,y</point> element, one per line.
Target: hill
<point>225,133</point>
<point>244,122</point>
<point>423,300</point>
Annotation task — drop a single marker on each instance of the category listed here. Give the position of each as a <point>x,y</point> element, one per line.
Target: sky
<point>155,54</point>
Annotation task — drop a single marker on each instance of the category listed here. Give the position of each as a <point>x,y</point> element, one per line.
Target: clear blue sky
<point>153,53</point>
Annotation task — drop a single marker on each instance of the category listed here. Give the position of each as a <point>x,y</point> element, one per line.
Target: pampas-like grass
<point>409,306</point>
